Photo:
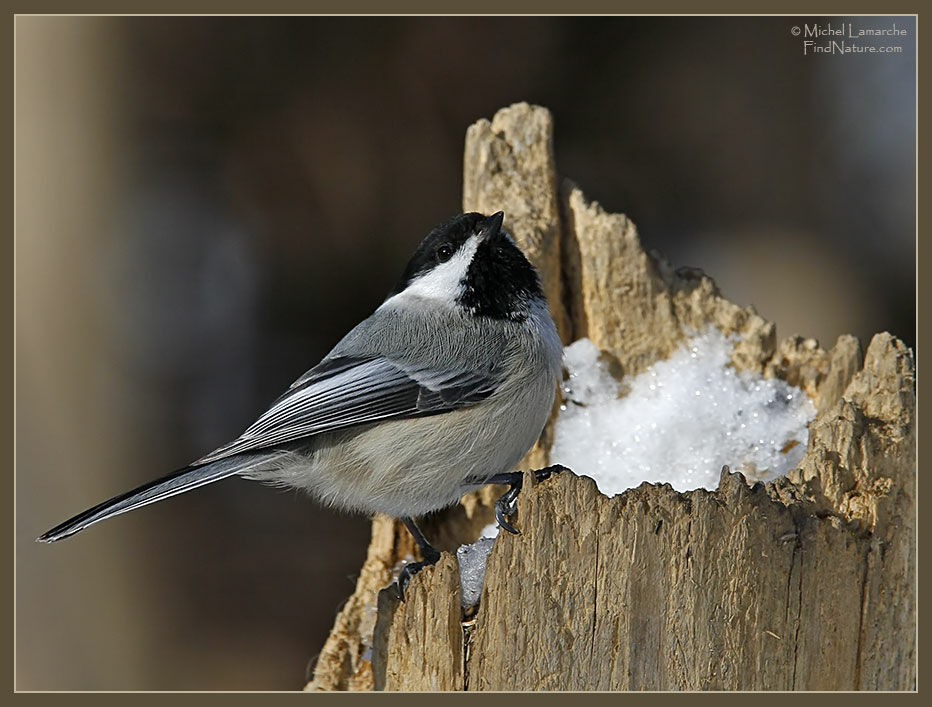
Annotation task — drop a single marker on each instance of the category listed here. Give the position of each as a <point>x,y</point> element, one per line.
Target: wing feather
<point>349,391</point>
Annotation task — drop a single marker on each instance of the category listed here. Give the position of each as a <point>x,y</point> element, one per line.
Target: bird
<point>440,391</point>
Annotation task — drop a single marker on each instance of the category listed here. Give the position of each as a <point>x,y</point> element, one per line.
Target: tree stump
<point>804,583</point>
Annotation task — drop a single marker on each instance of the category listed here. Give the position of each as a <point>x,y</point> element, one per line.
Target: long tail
<point>191,477</point>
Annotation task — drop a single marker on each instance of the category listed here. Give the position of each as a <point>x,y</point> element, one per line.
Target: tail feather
<point>186,479</point>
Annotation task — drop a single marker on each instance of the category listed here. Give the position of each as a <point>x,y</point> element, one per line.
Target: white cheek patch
<point>444,282</point>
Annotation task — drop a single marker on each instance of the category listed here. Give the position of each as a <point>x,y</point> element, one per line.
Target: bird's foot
<point>408,571</point>
<point>548,471</point>
<point>506,505</point>
<point>430,553</point>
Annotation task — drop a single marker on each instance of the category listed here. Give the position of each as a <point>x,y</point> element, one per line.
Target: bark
<point>807,582</point>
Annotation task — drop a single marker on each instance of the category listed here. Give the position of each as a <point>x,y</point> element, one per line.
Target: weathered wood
<point>633,304</point>
<point>419,643</point>
<point>652,590</point>
<point>345,662</point>
<point>803,583</point>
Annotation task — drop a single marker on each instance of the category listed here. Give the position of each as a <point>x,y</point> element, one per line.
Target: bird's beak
<point>493,225</point>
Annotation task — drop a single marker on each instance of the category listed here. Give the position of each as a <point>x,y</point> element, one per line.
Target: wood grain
<point>805,583</point>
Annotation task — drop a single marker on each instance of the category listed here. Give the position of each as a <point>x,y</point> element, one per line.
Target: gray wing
<point>345,391</point>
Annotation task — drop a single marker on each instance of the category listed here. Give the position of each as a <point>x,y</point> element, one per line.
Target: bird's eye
<point>444,253</point>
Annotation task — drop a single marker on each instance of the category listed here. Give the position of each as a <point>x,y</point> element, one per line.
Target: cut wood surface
<point>807,582</point>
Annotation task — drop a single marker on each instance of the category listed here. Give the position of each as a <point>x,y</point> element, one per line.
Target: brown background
<point>205,205</point>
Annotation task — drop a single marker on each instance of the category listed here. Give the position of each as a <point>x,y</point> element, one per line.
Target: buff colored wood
<point>807,582</point>
<point>419,643</point>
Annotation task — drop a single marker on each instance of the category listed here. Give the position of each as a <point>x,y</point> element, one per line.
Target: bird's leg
<point>505,505</point>
<point>428,551</point>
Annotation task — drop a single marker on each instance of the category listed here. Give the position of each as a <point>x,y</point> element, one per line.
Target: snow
<point>489,531</point>
<point>679,421</point>
<point>471,559</point>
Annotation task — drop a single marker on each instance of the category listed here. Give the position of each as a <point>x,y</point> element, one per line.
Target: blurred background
<point>206,205</point>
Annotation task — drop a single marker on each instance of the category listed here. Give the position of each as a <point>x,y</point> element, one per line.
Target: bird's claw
<point>505,508</point>
<point>408,571</point>
<point>506,505</point>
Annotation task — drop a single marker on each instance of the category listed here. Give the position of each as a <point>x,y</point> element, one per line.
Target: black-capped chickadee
<point>440,391</point>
